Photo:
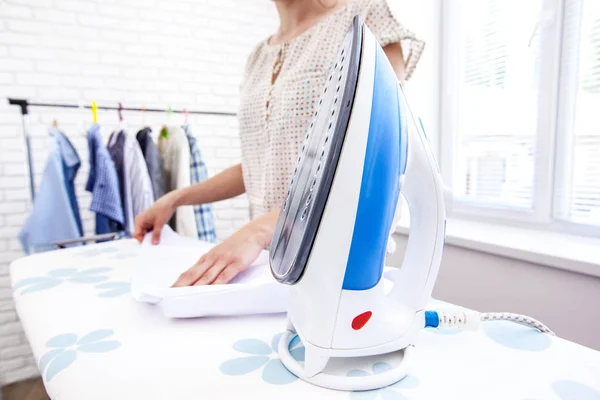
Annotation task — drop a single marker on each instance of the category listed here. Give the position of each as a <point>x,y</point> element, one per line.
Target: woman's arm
<point>223,186</point>
<point>393,51</point>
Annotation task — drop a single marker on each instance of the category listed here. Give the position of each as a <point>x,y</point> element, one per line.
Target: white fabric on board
<point>253,291</point>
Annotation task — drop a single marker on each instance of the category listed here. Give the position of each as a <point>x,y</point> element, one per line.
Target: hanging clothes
<point>103,184</point>
<point>205,221</point>
<point>174,149</point>
<point>55,215</point>
<point>135,182</point>
<point>116,149</point>
<point>153,161</point>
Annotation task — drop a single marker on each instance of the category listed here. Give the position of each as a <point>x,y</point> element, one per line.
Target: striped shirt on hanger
<point>137,188</point>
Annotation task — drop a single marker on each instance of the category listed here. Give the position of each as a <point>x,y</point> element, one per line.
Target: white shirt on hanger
<point>138,185</point>
<point>136,181</point>
<point>175,152</point>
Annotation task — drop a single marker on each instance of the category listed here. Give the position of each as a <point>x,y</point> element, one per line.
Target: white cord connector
<point>458,318</point>
<point>469,320</point>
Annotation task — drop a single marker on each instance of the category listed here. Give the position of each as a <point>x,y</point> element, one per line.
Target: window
<point>578,194</point>
<point>521,110</point>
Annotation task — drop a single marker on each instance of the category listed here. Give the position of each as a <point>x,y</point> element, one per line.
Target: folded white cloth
<point>253,291</point>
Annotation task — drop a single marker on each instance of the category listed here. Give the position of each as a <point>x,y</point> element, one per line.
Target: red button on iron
<point>360,320</point>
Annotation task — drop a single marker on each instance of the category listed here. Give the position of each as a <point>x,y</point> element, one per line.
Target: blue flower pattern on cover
<point>64,349</point>
<point>261,354</point>
<point>113,289</point>
<point>515,336</point>
<point>97,251</point>
<point>110,252</point>
<point>571,390</point>
<point>57,277</point>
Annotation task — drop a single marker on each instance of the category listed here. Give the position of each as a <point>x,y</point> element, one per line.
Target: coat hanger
<point>84,131</point>
<point>164,132</point>
<point>95,112</point>
<point>54,128</point>
<point>122,123</point>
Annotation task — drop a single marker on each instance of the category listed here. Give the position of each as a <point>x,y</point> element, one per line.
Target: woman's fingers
<point>191,276</point>
<point>228,274</point>
<point>223,262</point>
<point>139,229</point>
<point>205,272</point>
<point>156,230</point>
<point>211,273</point>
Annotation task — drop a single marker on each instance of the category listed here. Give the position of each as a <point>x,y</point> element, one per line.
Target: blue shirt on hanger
<point>71,164</point>
<point>103,183</point>
<point>55,215</point>
<point>205,221</point>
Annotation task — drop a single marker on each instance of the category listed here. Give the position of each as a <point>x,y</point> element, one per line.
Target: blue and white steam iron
<point>362,149</point>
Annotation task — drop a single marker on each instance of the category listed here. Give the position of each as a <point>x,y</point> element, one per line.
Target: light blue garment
<point>71,164</point>
<point>55,214</point>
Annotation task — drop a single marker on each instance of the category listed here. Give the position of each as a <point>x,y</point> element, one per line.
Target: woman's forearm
<point>225,185</point>
<point>264,227</point>
<point>394,54</point>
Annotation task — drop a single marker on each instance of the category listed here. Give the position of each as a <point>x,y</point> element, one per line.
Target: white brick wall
<point>188,53</point>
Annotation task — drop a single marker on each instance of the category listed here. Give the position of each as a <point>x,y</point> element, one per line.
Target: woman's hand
<point>224,261</point>
<point>155,217</point>
<point>224,185</point>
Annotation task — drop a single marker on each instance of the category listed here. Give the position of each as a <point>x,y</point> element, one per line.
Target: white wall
<point>185,53</point>
<point>565,301</point>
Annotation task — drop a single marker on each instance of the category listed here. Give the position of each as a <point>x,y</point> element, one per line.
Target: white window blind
<point>497,96</point>
<point>497,102</point>
<point>579,189</point>
<point>521,111</point>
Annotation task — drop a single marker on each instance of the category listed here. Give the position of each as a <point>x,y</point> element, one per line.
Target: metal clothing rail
<point>25,104</point>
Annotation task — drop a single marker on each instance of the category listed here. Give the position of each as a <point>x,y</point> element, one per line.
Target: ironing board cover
<point>93,341</point>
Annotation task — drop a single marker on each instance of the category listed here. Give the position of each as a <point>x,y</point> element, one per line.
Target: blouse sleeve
<point>250,61</point>
<point>387,29</point>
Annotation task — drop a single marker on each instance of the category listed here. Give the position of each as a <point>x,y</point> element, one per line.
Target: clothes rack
<point>25,104</point>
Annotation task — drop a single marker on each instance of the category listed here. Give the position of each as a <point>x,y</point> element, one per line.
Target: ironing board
<point>92,341</point>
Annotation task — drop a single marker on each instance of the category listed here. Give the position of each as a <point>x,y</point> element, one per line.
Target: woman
<point>283,79</point>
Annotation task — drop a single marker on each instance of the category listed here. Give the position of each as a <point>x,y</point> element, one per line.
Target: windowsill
<point>563,251</point>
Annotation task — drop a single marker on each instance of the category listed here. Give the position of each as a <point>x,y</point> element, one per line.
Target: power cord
<point>471,320</point>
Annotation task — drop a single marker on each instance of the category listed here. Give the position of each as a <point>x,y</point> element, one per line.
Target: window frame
<point>551,165</point>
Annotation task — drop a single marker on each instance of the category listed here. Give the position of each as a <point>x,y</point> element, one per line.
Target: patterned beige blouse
<point>274,117</point>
